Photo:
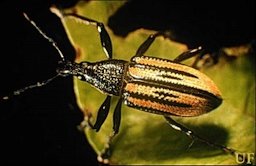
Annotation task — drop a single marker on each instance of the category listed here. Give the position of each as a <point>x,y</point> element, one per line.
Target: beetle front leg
<point>106,153</point>
<point>87,122</point>
<point>104,36</point>
<point>194,137</point>
<point>101,117</point>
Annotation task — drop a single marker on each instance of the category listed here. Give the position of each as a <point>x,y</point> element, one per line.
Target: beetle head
<point>65,68</point>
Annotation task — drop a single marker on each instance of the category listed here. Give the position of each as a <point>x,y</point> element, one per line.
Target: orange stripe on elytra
<point>170,95</point>
<point>151,105</point>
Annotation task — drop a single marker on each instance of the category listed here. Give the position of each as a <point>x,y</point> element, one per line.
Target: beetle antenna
<point>42,83</point>
<point>45,36</point>
<point>36,85</point>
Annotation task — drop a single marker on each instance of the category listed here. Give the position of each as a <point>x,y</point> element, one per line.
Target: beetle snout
<point>64,68</point>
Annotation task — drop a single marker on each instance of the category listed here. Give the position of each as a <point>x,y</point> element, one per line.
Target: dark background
<point>39,126</point>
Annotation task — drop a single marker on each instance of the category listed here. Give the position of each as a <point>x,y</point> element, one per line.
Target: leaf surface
<point>146,138</point>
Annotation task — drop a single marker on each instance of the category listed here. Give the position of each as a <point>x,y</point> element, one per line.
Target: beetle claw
<point>102,160</point>
<point>86,123</point>
<point>104,157</point>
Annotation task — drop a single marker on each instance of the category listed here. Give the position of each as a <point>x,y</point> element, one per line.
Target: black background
<point>39,126</point>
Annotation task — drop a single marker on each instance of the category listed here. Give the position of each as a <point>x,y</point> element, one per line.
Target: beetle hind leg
<point>195,137</point>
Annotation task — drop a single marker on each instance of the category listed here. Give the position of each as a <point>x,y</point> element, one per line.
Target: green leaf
<point>146,138</point>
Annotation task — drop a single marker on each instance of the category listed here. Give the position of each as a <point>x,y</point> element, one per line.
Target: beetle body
<point>160,86</point>
<point>151,84</point>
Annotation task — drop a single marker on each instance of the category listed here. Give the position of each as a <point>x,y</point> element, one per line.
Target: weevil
<point>155,85</point>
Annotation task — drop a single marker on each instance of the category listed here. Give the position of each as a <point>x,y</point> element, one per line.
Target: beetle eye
<point>84,64</point>
<point>63,72</point>
<point>86,67</point>
<point>64,68</point>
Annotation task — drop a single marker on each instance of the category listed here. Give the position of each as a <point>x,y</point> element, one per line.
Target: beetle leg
<point>102,113</point>
<point>106,153</point>
<point>193,136</point>
<point>188,54</point>
<point>208,59</point>
<point>117,116</point>
<point>86,122</point>
<point>104,36</point>
<point>185,55</point>
<point>147,43</point>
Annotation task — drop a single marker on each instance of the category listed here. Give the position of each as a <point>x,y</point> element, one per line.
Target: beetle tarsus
<point>102,159</point>
<point>106,152</point>
<point>86,123</point>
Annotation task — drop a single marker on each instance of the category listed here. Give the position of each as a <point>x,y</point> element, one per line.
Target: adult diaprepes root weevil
<point>160,86</point>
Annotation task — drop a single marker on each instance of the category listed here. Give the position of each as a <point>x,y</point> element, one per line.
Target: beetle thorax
<point>106,76</point>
